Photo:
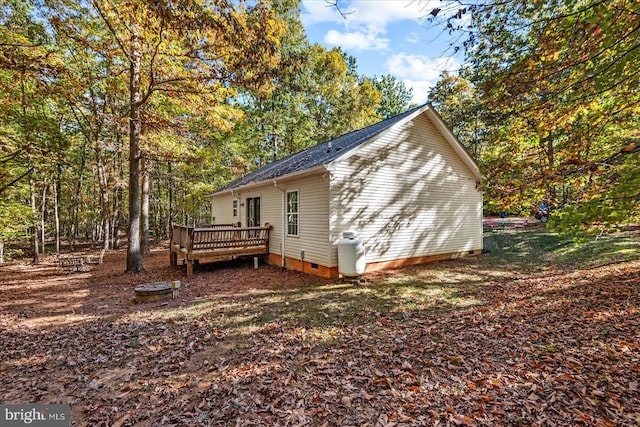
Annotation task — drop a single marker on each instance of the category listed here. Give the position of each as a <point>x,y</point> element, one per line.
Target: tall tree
<point>30,135</point>
<point>195,52</point>
<point>562,79</point>
<point>455,99</point>
<point>317,95</point>
<point>395,96</point>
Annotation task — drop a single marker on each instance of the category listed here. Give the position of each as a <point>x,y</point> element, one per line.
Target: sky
<point>386,37</point>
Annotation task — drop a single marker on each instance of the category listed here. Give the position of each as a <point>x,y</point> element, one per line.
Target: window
<point>292,213</point>
<point>253,211</point>
<point>235,208</point>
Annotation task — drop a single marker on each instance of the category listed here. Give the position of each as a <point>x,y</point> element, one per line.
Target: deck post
<point>189,268</point>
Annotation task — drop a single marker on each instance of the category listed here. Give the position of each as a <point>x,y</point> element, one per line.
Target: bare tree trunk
<point>34,234</point>
<point>170,218</point>
<point>146,243</point>
<point>117,215</point>
<point>134,257</point>
<point>118,201</point>
<point>551,188</point>
<point>104,197</point>
<point>43,209</point>
<point>73,232</point>
<point>157,225</point>
<point>160,212</point>
<point>185,218</point>
<point>56,211</point>
<point>1,251</point>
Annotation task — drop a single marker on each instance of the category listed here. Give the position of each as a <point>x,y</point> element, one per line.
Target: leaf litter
<point>459,343</point>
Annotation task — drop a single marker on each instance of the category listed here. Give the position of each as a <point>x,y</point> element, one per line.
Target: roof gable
<point>318,155</point>
<point>339,148</point>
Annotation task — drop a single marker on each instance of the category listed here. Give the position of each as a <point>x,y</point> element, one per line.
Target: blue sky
<point>386,37</point>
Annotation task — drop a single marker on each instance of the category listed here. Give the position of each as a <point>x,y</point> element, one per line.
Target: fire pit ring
<point>156,291</point>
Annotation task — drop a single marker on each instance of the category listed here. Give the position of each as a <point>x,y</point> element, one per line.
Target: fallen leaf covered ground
<point>487,340</point>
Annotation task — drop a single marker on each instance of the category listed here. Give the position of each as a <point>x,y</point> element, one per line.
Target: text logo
<point>34,415</point>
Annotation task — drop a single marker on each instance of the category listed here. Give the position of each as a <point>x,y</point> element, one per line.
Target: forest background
<point>118,117</point>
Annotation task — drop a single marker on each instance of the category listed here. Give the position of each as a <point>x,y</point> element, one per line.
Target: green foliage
<point>32,139</point>
<point>556,87</point>
<point>317,95</point>
<point>199,94</point>
<point>455,99</point>
<point>15,219</point>
<point>395,97</point>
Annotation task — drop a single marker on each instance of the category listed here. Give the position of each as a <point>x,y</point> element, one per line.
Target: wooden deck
<point>216,243</point>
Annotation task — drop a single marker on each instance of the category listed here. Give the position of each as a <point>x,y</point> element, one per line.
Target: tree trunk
<point>158,213</point>
<point>56,211</point>
<point>146,243</point>
<point>73,232</point>
<point>170,218</point>
<point>34,228</point>
<point>117,214</point>
<point>117,217</point>
<point>185,218</point>
<point>43,209</point>
<point>134,257</point>
<point>1,251</point>
<point>551,160</point>
<point>104,197</point>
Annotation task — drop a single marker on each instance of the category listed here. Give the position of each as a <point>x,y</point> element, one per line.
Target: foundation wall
<point>332,272</point>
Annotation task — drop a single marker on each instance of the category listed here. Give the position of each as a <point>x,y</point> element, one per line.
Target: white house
<point>406,186</point>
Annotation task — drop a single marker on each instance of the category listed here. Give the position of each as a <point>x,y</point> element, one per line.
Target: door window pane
<point>292,213</point>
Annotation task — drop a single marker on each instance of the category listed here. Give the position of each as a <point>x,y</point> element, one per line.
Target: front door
<point>253,212</point>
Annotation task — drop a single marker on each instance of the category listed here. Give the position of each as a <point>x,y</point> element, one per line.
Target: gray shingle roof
<point>317,155</point>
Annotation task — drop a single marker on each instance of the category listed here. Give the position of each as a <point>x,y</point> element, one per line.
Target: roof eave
<point>298,174</point>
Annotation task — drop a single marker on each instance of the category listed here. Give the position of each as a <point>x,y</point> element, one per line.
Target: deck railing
<point>228,238</point>
<point>191,243</point>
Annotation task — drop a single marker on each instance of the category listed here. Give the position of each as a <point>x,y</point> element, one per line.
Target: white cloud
<point>366,21</point>
<point>419,67</point>
<point>413,37</point>
<point>314,12</point>
<point>366,11</point>
<point>356,40</point>
<point>420,90</point>
<point>419,72</point>
<point>368,30</point>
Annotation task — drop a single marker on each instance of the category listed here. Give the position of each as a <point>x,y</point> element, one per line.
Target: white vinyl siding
<point>221,209</point>
<point>271,213</point>
<point>407,194</point>
<point>313,220</point>
<point>270,210</point>
<point>313,215</point>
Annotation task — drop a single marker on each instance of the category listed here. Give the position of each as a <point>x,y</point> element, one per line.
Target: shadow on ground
<point>483,340</point>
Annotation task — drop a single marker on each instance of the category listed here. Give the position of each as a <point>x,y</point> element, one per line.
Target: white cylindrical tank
<point>351,256</point>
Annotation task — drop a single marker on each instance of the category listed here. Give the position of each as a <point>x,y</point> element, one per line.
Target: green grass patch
<point>541,248</point>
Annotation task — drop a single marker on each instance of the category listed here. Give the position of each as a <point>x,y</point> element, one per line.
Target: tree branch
<point>152,75</point>
<point>2,189</point>
<point>111,29</point>
<point>334,3</point>
<point>10,156</point>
